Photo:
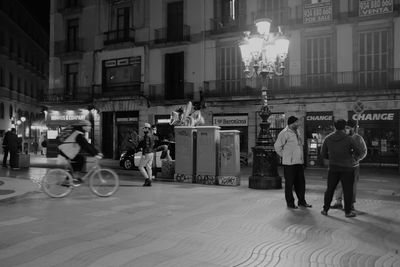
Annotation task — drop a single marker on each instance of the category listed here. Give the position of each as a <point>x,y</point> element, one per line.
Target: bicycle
<point>58,183</point>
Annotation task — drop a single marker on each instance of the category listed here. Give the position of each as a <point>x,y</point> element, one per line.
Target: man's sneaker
<point>66,183</point>
<point>305,205</point>
<point>147,182</point>
<point>324,212</point>
<point>337,206</point>
<point>350,214</point>
<point>77,181</point>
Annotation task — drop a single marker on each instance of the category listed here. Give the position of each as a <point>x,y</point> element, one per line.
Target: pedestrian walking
<point>342,151</point>
<point>289,146</point>
<point>5,148</point>
<point>44,146</point>
<point>351,131</point>
<point>146,161</point>
<point>35,147</point>
<point>156,148</point>
<point>13,149</point>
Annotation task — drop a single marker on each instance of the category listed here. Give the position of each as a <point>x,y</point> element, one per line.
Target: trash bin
<point>24,160</point>
<point>229,158</point>
<point>207,154</point>
<point>184,154</point>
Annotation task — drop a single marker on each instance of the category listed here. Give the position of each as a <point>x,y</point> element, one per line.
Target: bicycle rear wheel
<point>55,183</point>
<point>104,182</point>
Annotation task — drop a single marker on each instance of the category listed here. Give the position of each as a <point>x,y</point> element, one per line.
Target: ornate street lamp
<point>264,56</point>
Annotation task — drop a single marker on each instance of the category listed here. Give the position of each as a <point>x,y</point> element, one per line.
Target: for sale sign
<point>317,11</point>
<point>375,7</point>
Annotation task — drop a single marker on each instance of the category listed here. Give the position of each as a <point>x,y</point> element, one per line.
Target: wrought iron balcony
<point>352,82</point>
<point>169,35</point>
<point>71,47</point>
<point>69,6</point>
<point>120,90</point>
<point>159,92</point>
<point>119,36</point>
<point>60,95</point>
<point>219,26</point>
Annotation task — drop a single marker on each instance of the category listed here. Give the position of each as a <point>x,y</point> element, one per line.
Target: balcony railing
<point>69,7</point>
<point>119,36</point>
<point>79,95</point>
<point>342,82</point>
<point>120,90</point>
<point>219,26</point>
<point>62,48</point>
<point>167,35</point>
<point>158,92</point>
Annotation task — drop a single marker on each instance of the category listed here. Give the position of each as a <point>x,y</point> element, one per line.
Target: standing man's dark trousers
<point>294,178</point>
<point>5,149</point>
<point>14,159</point>
<point>346,176</point>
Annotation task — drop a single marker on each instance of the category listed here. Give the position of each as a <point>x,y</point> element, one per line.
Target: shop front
<point>317,126</point>
<point>165,130</point>
<point>380,130</point>
<point>117,128</point>
<point>56,120</point>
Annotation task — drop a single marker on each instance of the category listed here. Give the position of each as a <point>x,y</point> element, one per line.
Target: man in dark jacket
<point>5,148</point>
<point>342,152</point>
<point>13,148</point>
<point>74,145</point>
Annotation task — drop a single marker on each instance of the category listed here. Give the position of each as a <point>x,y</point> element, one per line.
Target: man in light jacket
<point>289,146</point>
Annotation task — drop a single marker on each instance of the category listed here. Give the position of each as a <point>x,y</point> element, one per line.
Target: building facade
<point>23,71</point>
<point>137,61</point>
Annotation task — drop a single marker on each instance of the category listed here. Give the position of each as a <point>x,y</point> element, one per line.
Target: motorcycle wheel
<point>128,164</point>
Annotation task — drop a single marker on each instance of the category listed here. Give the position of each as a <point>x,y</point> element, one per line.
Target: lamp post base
<point>265,169</point>
<point>264,182</point>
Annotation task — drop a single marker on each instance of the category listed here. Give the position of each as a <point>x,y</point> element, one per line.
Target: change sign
<point>375,7</point>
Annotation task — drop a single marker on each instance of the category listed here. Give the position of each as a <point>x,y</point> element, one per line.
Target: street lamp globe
<point>264,54</point>
<point>263,26</point>
<point>23,119</point>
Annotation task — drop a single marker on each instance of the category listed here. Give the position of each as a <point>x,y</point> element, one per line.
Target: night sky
<point>40,10</point>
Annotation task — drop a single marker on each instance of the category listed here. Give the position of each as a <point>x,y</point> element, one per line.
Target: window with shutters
<point>275,10</point>
<point>319,62</point>
<point>373,58</point>
<point>230,70</point>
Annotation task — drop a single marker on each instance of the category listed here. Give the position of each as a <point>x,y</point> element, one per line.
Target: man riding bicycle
<point>72,147</point>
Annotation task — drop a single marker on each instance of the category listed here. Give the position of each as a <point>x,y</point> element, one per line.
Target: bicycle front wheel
<point>104,182</point>
<point>57,183</point>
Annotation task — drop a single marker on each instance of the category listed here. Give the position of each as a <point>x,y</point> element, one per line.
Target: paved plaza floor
<point>174,224</point>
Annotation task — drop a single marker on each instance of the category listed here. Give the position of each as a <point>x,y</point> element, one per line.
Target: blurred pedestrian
<point>289,146</point>
<point>146,144</point>
<point>35,146</point>
<point>342,151</point>
<point>351,131</point>
<point>6,148</point>
<point>13,145</point>
<point>44,145</point>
